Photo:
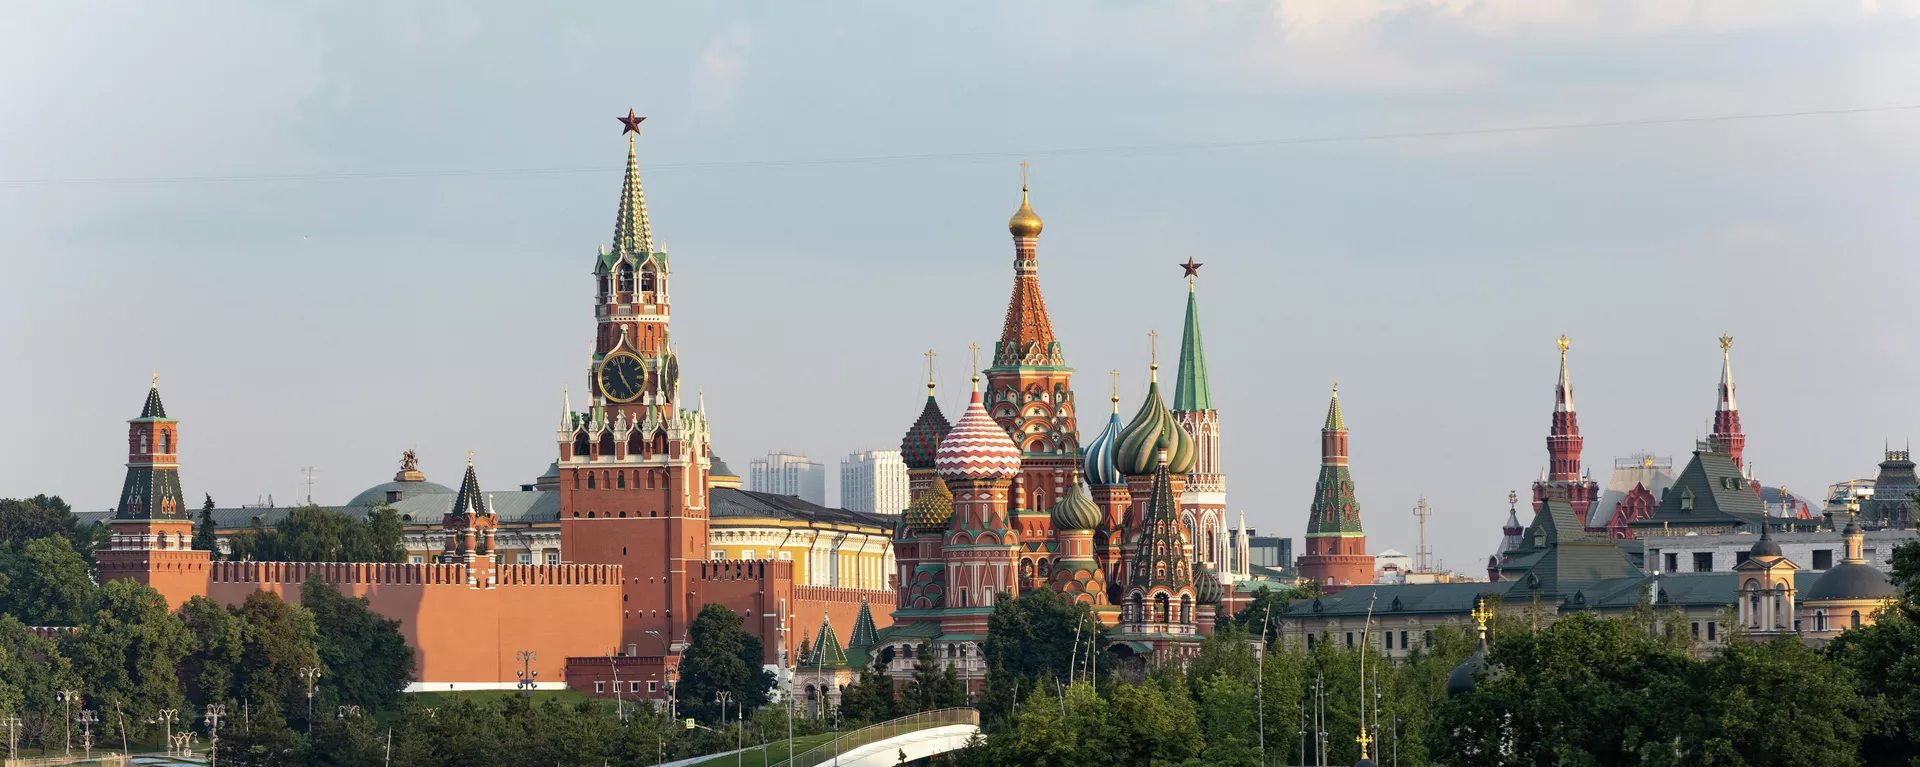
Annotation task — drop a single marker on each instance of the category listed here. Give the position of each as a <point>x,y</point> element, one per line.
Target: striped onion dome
<point>1207,588</point>
<point>923,438</point>
<point>1076,511</point>
<point>1098,462</point>
<point>1151,431</point>
<point>930,512</point>
<point>977,448</point>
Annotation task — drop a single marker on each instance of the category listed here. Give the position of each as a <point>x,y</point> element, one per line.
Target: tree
<point>367,659</point>
<point>205,538</point>
<point>277,641</point>
<point>1268,604</point>
<point>32,670</point>
<point>1777,705</point>
<point>127,652</point>
<point>343,741</point>
<point>1227,713</point>
<point>927,689</point>
<point>721,656</point>
<point>260,739</point>
<point>1154,723</point>
<point>47,582</point>
<point>869,699</point>
<point>24,519</point>
<point>318,534</point>
<point>211,670</point>
<point>1885,657</point>
<point>1028,637</point>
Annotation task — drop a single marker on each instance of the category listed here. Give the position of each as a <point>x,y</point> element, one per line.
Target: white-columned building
<point>789,474</point>
<point>875,482</point>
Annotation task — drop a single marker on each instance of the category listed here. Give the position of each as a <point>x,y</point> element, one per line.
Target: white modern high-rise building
<point>874,482</point>
<point>789,474</point>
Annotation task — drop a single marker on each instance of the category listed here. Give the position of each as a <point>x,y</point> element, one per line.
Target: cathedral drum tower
<point>1029,386</point>
<point>633,466</point>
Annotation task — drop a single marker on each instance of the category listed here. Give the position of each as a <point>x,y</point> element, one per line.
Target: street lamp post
<point>87,720</point>
<point>1260,690</point>
<point>166,718</point>
<point>526,673</point>
<point>67,699</point>
<point>345,711</point>
<point>214,712</point>
<point>740,738</point>
<point>619,703</point>
<point>311,674</point>
<point>673,710</point>
<point>13,736</point>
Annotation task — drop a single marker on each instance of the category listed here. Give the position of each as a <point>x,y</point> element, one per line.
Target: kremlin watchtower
<point>1726,435</point>
<point>633,467</point>
<point>1203,503</point>
<point>152,540</point>
<point>1336,552</point>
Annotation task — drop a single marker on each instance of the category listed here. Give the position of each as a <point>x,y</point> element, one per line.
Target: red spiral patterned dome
<point>977,448</point>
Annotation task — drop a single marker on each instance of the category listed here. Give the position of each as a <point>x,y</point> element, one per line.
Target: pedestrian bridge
<point>888,743</point>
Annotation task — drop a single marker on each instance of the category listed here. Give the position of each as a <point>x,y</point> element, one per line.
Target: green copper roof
<point>1335,422</point>
<point>1151,431</point>
<point>153,408</point>
<point>1190,392</point>
<point>864,634</point>
<point>1335,511</point>
<point>826,651</point>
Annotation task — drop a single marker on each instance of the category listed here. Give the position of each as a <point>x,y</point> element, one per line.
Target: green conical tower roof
<point>827,652</point>
<point>1190,392</point>
<point>864,634</point>
<point>1335,422</point>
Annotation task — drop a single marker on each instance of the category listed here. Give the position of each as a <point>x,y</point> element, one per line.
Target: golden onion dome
<point>1025,222</point>
<point>930,512</point>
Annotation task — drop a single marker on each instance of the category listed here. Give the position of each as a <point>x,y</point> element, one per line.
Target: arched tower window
<point>166,442</point>
<point>581,447</point>
<point>647,281</point>
<point>626,277</point>
<point>1856,619</point>
<point>143,443</point>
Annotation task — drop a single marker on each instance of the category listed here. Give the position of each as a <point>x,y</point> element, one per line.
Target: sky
<point>343,230</point>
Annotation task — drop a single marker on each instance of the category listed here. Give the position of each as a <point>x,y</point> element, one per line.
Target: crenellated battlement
<point>374,573</point>
<point>744,570</point>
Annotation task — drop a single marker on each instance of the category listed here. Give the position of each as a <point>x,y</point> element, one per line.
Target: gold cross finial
<point>1023,175</point>
<point>1481,615</point>
<point>1364,740</point>
<point>930,355</point>
<point>1563,344</point>
<point>1153,354</point>
<point>1726,342</point>
<point>975,349</point>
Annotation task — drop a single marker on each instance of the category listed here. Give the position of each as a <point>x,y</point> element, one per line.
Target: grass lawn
<point>776,752</point>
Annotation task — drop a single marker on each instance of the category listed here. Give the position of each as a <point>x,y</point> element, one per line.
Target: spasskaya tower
<point>633,466</point>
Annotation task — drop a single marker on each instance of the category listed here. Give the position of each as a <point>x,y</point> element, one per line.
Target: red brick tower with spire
<point>152,540</point>
<point>1336,552</point>
<point>633,467</point>
<point>1203,502</point>
<point>1563,449</point>
<point>1029,386</point>
<point>1726,436</point>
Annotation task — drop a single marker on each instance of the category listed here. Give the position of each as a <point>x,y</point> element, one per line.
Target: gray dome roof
<point>1461,681</point>
<point>376,495</point>
<point>1851,581</point>
<point>1766,546</point>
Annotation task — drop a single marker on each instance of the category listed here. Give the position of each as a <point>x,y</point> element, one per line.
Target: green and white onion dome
<point>1076,511</point>
<point>1151,431</point>
<point>1098,463</point>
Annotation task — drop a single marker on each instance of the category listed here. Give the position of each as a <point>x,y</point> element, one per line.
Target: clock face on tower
<point>623,377</point>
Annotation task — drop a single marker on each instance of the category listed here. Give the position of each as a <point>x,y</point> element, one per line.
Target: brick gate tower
<point>1203,502</point>
<point>1727,436</point>
<point>633,466</point>
<point>1336,554</point>
<point>1029,387</point>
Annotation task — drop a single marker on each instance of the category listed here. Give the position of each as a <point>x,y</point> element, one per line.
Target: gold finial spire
<point>1564,341</point>
<point>1364,740</point>
<point>1336,387</point>
<point>1513,497</point>
<point>1481,614</point>
<point>1153,352</point>
<point>1726,343</point>
<point>930,355</point>
<point>975,349</point>
<point>469,457</point>
<point>1025,222</point>
<point>156,379</point>
<point>1116,388</point>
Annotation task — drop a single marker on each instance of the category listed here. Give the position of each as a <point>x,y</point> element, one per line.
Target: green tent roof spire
<point>1190,392</point>
<point>1335,422</point>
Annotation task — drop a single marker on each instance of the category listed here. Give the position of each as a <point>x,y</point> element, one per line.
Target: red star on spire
<point>632,122</point>
<point>1193,269</point>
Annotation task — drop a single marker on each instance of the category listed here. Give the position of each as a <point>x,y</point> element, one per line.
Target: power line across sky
<point>1116,150</point>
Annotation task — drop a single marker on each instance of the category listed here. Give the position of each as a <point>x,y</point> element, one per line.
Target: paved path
<point>917,745</point>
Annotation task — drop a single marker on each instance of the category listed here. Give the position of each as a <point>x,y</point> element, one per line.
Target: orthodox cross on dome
<point>630,123</point>
<point>930,355</point>
<point>1153,353</point>
<point>975,350</point>
<point>1023,175</point>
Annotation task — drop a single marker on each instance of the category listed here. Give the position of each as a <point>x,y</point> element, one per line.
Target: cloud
<point>717,80</point>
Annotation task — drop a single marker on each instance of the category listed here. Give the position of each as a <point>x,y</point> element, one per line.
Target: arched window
<point>1163,608</point>
<point>590,481</point>
<point>166,442</point>
<point>1856,619</point>
<point>1186,609</point>
<point>1779,612</point>
<point>581,447</point>
<point>1753,611</point>
<point>1819,620</point>
<point>626,277</point>
<point>620,478</point>
<point>646,281</point>
<point>143,443</point>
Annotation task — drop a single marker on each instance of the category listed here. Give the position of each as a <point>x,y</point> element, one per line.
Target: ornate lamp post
<point>311,674</point>
<point>166,718</point>
<point>87,720</point>
<point>526,673</point>
<point>673,708</point>
<point>345,711</point>
<point>67,699</point>
<point>213,714</point>
<point>13,735</point>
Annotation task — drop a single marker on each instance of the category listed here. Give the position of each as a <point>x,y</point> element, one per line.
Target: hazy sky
<point>361,300</point>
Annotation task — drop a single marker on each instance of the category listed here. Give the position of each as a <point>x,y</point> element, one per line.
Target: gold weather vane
<point>930,355</point>
<point>1563,344</point>
<point>1726,342</point>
